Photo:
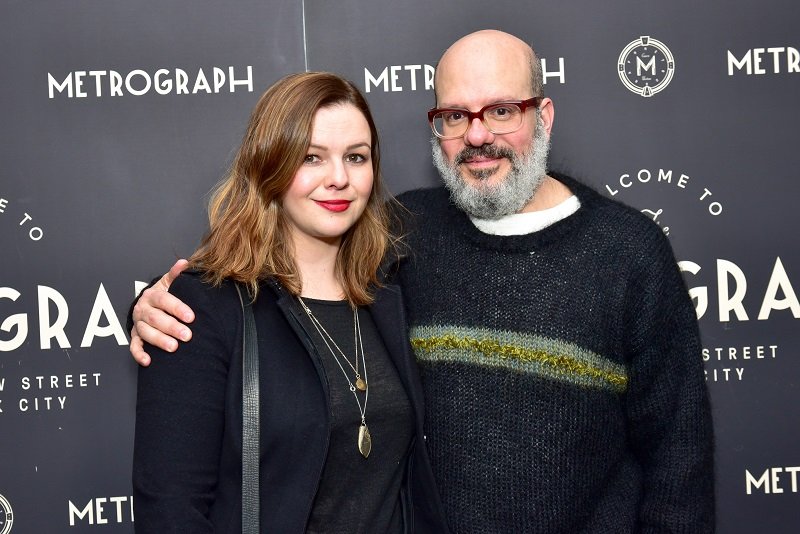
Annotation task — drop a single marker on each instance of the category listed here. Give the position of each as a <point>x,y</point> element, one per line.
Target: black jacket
<point>188,447</point>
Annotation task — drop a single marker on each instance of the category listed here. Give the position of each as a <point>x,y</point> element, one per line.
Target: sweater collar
<point>528,222</point>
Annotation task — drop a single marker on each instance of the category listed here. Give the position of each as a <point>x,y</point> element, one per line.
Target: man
<point>557,344</point>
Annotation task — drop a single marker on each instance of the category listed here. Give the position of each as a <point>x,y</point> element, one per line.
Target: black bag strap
<point>250,419</point>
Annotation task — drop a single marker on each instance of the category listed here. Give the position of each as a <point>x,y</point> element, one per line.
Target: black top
<point>358,494</point>
<point>187,466</point>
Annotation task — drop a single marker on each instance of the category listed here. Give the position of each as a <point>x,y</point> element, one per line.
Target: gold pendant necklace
<point>364,440</point>
<point>360,384</point>
<point>364,437</point>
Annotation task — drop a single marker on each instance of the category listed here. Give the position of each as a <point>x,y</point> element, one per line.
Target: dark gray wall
<point>114,189</point>
<point>117,185</point>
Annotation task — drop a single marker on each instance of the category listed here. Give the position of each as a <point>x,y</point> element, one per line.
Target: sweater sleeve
<point>180,415</point>
<point>669,414</point>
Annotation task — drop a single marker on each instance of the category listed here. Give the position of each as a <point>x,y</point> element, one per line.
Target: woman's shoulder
<point>216,306</point>
<point>196,290</point>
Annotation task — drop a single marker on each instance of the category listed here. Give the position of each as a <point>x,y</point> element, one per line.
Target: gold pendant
<point>360,384</point>
<point>364,441</point>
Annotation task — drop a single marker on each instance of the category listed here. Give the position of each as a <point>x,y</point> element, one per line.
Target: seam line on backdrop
<point>305,42</point>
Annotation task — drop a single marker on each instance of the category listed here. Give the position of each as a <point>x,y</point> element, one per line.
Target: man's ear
<point>547,114</point>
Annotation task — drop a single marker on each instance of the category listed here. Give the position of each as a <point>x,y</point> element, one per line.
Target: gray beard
<point>510,194</point>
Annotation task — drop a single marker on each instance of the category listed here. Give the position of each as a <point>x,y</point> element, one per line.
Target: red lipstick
<point>334,205</point>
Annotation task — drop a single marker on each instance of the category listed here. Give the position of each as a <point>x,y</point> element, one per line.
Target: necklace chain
<point>357,344</point>
<point>364,437</point>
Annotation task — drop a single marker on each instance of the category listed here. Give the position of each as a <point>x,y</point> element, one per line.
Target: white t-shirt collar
<point>529,222</point>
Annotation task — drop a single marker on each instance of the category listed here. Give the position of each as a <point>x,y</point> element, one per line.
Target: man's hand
<point>154,317</point>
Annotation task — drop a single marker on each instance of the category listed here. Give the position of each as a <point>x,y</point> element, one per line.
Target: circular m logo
<point>646,66</point>
<point>6,516</point>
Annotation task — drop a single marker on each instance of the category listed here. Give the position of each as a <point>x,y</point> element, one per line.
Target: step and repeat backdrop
<point>118,117</point>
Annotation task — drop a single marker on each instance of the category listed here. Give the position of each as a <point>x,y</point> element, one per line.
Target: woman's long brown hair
<point>248,238</point>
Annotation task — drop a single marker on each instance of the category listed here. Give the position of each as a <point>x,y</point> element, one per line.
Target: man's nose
<point>477,134</point>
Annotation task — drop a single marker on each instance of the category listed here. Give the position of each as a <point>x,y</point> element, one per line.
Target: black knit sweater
<point>562,372</point>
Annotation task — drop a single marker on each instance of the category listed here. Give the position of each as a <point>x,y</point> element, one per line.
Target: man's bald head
<point>479,53</point>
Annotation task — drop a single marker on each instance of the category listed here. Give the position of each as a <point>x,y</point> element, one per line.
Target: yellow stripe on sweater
<point>518,352</point>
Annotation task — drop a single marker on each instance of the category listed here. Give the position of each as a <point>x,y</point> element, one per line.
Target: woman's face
<point>330,189</point>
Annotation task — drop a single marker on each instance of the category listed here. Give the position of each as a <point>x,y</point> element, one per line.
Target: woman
<point>301,221</point>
